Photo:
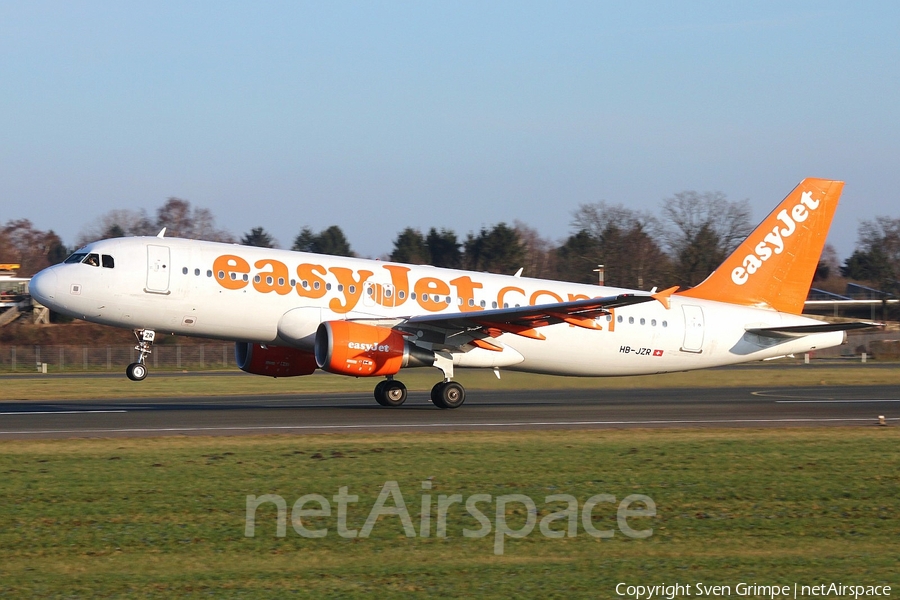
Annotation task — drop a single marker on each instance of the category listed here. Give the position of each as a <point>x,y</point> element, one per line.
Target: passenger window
<point>107,261</point>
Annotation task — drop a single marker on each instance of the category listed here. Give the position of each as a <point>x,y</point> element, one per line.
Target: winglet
<point>774,266</point>
<point>663,296</point>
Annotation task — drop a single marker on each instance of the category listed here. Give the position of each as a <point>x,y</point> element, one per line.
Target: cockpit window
<point>108,261</point>
<point>75,258</point>
<point>92,259</point>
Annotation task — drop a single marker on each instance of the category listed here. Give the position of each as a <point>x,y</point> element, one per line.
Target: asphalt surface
<point>484,410</point>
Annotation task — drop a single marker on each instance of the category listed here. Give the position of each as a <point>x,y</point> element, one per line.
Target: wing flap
<point>460,329</point>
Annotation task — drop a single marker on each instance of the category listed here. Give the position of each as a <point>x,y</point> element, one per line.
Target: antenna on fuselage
<point>162,233</point>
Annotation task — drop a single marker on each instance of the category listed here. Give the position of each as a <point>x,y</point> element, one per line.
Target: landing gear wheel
<point>436,395</point>
<point>136,372</point>
<point>379,393</point>
<point>448,394</point>
<point>390,393</point>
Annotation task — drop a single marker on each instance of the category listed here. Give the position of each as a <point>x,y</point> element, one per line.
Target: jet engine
<point>361,350</point>
<point>274,361</point>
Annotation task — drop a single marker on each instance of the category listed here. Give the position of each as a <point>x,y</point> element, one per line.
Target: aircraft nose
<point>43,286</point>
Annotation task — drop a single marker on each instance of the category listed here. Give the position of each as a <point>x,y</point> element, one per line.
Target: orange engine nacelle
<point>348,348</point>
<point>274,361</point>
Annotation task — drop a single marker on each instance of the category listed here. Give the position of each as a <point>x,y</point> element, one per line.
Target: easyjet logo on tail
<point>774,242</point>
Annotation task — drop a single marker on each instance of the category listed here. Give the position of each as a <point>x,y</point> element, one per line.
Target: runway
<point>484,410</point>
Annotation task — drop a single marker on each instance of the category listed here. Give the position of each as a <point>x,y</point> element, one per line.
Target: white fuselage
<point>248,294</point>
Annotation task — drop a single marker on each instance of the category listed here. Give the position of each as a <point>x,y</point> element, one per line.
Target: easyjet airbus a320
<point>291,313</point>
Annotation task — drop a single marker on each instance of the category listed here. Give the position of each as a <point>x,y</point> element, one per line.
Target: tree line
<point>691,237</point>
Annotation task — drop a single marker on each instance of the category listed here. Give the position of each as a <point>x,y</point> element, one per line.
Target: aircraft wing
<point>452,332</point>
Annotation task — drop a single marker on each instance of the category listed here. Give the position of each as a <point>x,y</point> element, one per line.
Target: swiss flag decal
<point>657,353</point>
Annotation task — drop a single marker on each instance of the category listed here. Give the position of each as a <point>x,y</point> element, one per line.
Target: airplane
<point>291,313</point>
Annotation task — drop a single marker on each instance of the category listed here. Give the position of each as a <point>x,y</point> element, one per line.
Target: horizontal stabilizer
<point>802,330</point>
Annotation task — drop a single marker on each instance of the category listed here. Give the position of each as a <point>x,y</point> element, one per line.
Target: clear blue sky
<point>380,115</point>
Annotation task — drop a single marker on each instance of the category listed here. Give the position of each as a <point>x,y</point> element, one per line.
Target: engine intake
<point>273,361</point>
<point>360,350</point>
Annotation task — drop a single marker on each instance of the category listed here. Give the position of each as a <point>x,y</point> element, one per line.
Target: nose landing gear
<point>138,371</point>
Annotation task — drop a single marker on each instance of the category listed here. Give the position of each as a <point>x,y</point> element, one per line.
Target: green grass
<point>53,387</point>
<point>165,517</point>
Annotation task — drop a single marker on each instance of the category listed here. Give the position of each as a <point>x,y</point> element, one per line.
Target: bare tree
<point>877,255</point>
<point>183,221</point>
<point>176,215</point>
<point>689,212</point>
<point>538,256</point>
<point>703,229</point>
<point>621,239</point>
<point>117,223</point>
<point>31,248</point>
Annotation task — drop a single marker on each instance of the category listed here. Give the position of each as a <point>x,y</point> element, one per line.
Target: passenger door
<point>693,329</point>
<point>158,268</point>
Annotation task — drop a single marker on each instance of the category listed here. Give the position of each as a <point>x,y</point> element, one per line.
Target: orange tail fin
<point>774,267</point>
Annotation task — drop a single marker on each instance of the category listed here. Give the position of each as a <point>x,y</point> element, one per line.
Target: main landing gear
<point>445,394</point>
<point>138,371</point>
<point>390,392</point>
<point>448,394</point>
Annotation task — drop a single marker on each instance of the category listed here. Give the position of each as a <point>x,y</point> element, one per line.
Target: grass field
<point>52,387</point>
<point>165,517</point>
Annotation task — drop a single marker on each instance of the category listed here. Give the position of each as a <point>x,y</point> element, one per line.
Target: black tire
<point>452,394</point>
<point>437,396</point>
<point>379,393</point>
<point>393,392</point>
<point>136,372</point>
